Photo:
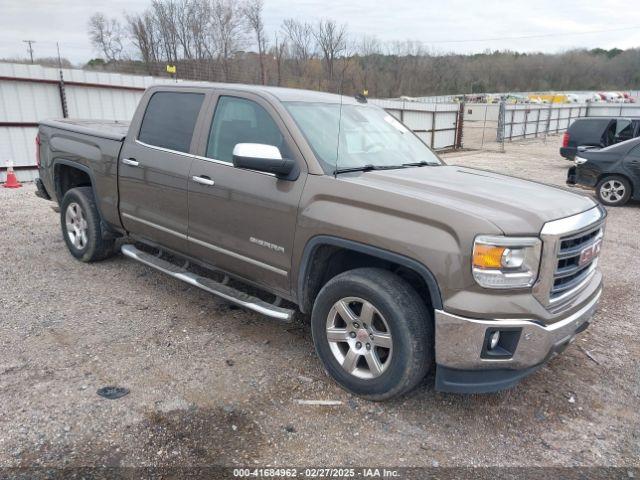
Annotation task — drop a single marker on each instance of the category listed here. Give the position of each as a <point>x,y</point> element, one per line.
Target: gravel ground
<point>211,384</point>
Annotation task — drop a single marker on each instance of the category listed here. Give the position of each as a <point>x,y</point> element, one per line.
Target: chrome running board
<point>222,290</point>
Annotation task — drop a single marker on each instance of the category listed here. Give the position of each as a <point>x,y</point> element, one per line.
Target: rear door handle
<point>203,180</point>
<point>131,161</point>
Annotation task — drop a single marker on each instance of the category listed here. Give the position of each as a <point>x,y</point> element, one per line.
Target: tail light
<point>38,150</point>
<point>565,139</point>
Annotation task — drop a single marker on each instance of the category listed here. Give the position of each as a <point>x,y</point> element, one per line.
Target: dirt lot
<point>211,384</point>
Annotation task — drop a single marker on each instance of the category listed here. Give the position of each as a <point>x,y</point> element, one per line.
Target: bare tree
<point>144,35</point>
<point>253,13</point>
<point>228,25</point>
<point>182,23</point>
<point>200,27</point>
<point>301,43</point>
<point>332,39</point>
<point>106,36</point>
<point>165,13</point>
<point>279,52</point>
<point>206,38</point>
<point>368,50</point>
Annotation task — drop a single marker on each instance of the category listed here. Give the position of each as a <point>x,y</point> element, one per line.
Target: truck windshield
<point>369,137</point>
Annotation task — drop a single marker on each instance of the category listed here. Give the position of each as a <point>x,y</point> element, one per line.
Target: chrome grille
<point>569,275</point>
<point>561,277</point>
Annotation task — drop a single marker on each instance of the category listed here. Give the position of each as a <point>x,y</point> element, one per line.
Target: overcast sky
<point>443,26</point>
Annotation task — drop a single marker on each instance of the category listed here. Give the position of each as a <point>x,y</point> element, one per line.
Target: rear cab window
<point>170,119</point>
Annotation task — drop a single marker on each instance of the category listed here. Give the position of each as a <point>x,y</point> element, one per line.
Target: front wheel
<point>613,190</point>
<point>373,333</point>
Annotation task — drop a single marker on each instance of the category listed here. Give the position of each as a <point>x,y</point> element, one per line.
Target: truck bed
<point>110,129</point>
<point>91,146</point>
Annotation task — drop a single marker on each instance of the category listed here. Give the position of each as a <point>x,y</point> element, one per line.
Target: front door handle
<point>203,180</point>
<point>131,161</point>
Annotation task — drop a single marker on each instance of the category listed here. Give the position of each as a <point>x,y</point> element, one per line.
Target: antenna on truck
<point>335,171</point>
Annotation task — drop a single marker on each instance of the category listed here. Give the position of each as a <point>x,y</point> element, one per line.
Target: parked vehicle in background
<point>614,172</point>
<point>599,132</point>
<point>331,204</point>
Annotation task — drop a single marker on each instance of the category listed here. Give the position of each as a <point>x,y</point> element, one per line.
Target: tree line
<point>226,40</point>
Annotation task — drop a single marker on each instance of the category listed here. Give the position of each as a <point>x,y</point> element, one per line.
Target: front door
<point>244,221</point>
<point>154,168</point>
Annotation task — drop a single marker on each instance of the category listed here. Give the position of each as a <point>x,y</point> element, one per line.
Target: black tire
<point>607,197</point>
<point>94,247</point>
<point>409,321</point>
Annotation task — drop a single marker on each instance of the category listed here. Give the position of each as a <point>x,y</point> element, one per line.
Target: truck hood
<point>515,206</point>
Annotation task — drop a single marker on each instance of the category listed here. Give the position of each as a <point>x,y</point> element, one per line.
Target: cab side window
<point>170,119</point>
<point>238,120</point>
<point>624,130</point>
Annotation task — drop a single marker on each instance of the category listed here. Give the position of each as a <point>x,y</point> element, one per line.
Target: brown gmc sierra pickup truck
<point>281,199</point>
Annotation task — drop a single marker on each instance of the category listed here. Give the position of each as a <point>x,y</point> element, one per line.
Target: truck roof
<point>280,93</point>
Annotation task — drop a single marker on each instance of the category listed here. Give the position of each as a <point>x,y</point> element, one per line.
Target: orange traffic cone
<point>12,181</point>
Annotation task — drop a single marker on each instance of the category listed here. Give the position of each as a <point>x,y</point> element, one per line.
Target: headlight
<point>506,262</point>
<point>580,160</point>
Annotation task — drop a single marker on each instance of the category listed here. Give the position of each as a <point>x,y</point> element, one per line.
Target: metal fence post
<point>459,126</point>
<point>501,125</point>
<point>63,93</point>
<point>484,124</point>
<point>433,128</point>
<point>63,97</point>
<point>548,126</point>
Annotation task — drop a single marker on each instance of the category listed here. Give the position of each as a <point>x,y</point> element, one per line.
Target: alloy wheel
<point>612,191</point>
<point>76,225</point>
<point>359,337</point>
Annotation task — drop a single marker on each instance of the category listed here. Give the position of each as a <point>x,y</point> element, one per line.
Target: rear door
<point>632,165</point>
<point>154,167</point>
<point>244,221</point>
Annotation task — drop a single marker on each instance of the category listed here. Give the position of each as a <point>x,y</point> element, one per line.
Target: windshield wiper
<point>420,164</point>
<point>366,168</point>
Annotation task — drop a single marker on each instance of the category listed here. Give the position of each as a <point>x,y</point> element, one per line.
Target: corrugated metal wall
<point>523,120</point>
<point>435,123</point>
<point>30,93</point>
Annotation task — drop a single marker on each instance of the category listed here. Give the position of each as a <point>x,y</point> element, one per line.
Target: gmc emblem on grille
<point>589,253</point>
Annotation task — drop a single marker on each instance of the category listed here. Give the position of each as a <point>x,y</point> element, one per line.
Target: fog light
<point>493,340</point>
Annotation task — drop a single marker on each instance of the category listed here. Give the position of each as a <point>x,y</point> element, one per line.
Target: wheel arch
<point>62,184</point>
<point>325,256</point>
<point>61,181</point>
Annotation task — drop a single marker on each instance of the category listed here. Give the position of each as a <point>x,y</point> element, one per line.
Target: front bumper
<point>465,366</point>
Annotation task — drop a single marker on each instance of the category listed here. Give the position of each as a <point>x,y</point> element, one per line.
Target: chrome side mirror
<point>263,158</point>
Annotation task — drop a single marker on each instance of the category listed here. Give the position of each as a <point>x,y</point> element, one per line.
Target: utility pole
<point>30,48</point>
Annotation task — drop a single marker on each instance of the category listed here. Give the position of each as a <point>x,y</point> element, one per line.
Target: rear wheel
<point>613,190</point>
<point>81,226</point>
<point>373,333</point>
